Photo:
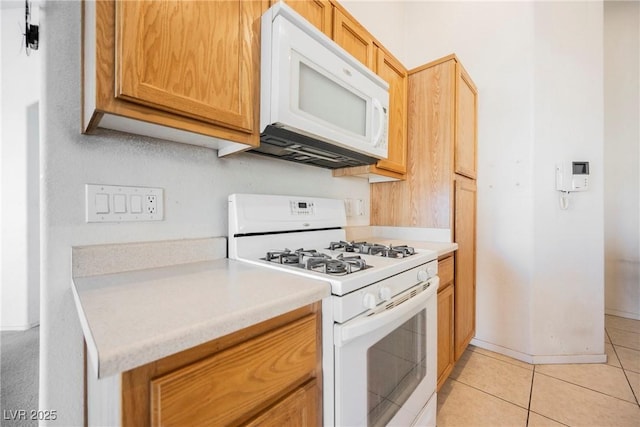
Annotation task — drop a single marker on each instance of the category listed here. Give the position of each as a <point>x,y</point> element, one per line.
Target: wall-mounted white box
<point>112,203</point>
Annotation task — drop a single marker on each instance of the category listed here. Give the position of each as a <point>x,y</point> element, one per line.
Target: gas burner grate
<point>337,266</point>
<point>311,259</point>
<point>375,249</point>
<point>285,256</point>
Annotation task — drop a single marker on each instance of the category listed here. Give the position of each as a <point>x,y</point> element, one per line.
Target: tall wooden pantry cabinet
<point>440,186</point>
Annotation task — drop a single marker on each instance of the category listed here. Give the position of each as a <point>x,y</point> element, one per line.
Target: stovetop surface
<point>379,268</point>
<point>259,224</point>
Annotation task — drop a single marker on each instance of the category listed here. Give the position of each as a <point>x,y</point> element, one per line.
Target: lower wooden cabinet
<point>445,320</point>
<point>268,374</point>
<point>465,271</point>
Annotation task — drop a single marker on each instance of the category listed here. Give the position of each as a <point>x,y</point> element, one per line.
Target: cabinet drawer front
<point>445,271</point>
<point>237,382</point>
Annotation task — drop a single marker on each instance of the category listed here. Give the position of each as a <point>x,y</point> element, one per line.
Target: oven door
<point>385,361</point>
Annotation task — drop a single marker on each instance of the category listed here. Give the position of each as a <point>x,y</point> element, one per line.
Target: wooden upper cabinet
<point>353,38</point>
<point>394,73</point>
<point>192,58</point>
<point>185,71</point>
<point>356,40</point>
<point>317,12</point>
<point>466,124</point>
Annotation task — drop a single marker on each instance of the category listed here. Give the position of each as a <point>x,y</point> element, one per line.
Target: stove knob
<point>369,300</point>
<point>385,293</point>
<point>431,271</point>
<point>423,276</point>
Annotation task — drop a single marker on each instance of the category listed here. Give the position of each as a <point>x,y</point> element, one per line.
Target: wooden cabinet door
<point>394,73</point>
<point>445,333</point>
<point>353,38</point>
<point>299,409</point>
<point>465,263</point>
<point>445,319</point>
<point>318,12</point>
<point>466,124</point>
<point>192,58</point>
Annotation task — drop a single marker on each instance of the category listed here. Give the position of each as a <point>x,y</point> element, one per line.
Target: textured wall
<point>195,180</point>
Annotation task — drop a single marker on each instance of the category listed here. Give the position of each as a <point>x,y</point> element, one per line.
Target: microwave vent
<point>288,145</point>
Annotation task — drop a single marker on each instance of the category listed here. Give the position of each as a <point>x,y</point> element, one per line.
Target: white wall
<point>196,186</point>
<point>540,279</point>
<point>19,254</point>
<point>383,19</point>
<point>621,158</point>
<point>494,41</point>
<point>567,306</point>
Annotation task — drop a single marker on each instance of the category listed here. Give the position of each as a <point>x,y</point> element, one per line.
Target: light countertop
<point>441,248</point>
<point>421,238</point>
<point>134,317</point>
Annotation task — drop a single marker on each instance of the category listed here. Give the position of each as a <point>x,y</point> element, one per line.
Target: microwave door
<point>317,90</point>
<point>322,103</point>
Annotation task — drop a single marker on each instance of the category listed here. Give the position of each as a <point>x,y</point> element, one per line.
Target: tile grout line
<point>621,330</point>
<point>624,371</point>
<point>505,361</point>
<point>488,394</point>
<point>595,391</point>
<point>533,374</point>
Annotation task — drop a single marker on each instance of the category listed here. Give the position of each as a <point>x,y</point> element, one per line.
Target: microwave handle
<point>377,107</point>
<point>366,324</point>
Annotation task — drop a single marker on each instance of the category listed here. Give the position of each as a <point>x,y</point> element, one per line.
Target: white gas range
<point>379,325</point>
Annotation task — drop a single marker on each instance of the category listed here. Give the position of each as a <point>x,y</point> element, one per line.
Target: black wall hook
<point>31,32</point>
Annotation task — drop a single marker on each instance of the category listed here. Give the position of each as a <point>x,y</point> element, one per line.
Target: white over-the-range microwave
<point>318,105</point>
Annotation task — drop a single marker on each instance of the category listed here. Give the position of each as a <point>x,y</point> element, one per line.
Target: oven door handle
<point>367,324</point>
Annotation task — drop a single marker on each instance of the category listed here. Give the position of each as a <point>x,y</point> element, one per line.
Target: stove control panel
<point>301,208</point>
<point>369,297</point>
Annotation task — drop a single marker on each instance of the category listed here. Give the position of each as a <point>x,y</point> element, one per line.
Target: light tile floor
<point>489,389</point>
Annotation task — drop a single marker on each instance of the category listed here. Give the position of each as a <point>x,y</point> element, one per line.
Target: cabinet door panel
<point>353,38</point>
<point>465,152</point>
<point>193,58</point>
<point>317,12</point>
<point>396,75</point>
<point>465,263</point>
<point>299,409</point>
<point>445,333</point>
<point>224,388</point>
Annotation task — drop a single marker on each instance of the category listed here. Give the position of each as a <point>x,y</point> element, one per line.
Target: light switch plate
<point>117,203</point>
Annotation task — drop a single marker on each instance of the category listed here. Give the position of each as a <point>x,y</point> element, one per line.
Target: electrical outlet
<point>110,203</point>
<point>151,204</point>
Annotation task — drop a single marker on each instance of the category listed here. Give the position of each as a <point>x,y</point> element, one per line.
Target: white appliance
<point>379,324</point>
<point>318,104</point>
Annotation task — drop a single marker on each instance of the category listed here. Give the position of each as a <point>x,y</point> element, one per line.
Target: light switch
<point>122,203</point>
<point>136,204</point>
<point>102,203</point>
<point>119,203</point>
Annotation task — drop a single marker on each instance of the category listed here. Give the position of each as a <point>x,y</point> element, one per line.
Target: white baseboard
<point>18,328</point>
<point>541,359</point>
<point>624,314</point>
<point>566,359</point>
<point>523,357</point>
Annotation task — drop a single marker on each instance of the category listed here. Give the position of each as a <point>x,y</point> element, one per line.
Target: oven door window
<point>395,366</point>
